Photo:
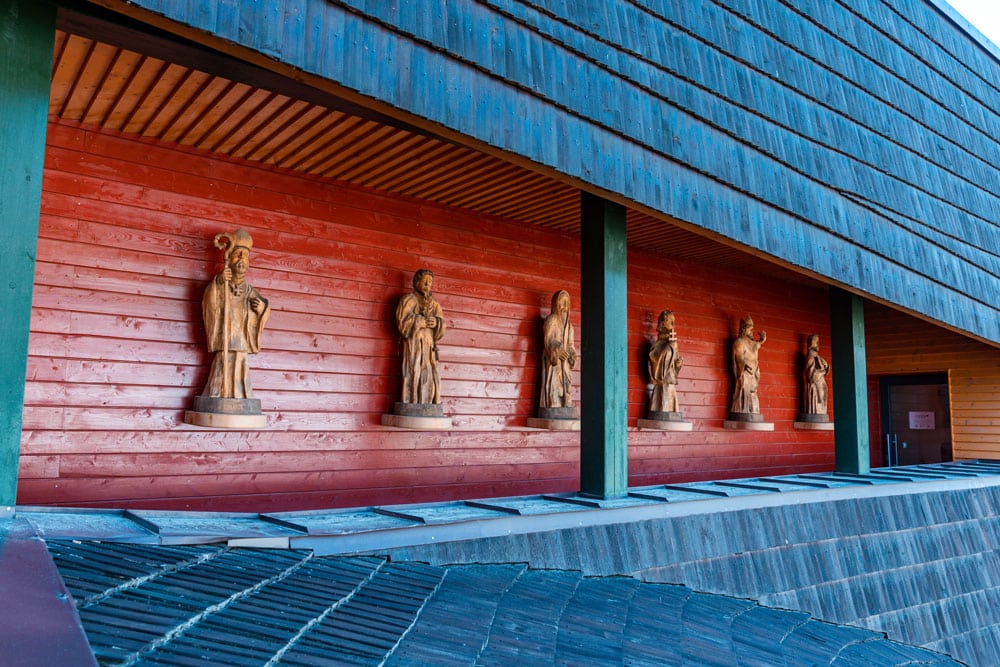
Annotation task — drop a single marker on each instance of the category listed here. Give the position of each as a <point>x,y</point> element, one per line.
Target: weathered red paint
<point>117,348</point>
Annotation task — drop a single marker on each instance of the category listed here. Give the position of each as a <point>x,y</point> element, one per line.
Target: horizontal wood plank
<point>117,348</point>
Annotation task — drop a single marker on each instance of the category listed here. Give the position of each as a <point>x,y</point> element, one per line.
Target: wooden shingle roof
<point>854,141</point>
<point>117,79</point>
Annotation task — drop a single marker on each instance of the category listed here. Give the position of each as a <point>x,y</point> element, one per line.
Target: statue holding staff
<point>234,314</point>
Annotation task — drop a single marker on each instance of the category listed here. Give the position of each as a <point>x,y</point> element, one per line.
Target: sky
<point>984,14</point>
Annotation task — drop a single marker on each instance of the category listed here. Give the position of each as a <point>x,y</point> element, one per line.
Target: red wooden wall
<point>117,348</point>
<point>708,302</point>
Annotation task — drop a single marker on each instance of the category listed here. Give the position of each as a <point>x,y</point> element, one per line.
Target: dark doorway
<point>916,419</point>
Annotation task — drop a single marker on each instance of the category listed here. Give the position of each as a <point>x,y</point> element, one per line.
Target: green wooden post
<point>604,349</point>
<point>27,38</point>
<point>850,382</point>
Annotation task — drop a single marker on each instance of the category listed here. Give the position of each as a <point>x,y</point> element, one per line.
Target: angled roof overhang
<point>120,75</point>
<point>853,148</point>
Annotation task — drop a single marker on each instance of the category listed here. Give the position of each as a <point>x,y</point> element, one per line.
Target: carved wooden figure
<point>664,366</point>
<point>558,361</point>
<point>234,314</point>
<point>815,393</point>
<point>421,324</point>
<point>745,405</point>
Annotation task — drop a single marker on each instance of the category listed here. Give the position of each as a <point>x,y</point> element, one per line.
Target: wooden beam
<point>850,387</point>
<point>604,348</point>
<point>28,29</point>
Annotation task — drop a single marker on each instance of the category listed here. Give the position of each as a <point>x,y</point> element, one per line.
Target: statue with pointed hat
<point>234,313</point>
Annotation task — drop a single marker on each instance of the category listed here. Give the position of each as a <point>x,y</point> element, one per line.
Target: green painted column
<point>27,38</point>
<point>604,349</point>
<point>850,381</point>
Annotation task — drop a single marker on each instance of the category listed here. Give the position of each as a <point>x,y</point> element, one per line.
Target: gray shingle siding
<point>855,139</point>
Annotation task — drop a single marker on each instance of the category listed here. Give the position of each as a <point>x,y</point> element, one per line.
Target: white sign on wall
<point>921,421</point>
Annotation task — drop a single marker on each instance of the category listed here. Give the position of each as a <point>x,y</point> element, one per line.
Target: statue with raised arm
<point>234,314</point>
<point>421,325</point>
<point>746,371</point>
<point>664,366</point>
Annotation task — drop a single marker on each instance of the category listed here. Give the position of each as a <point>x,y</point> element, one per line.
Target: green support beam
<point>27,38</point>
<point>850,382</point>
<point>604,349</point>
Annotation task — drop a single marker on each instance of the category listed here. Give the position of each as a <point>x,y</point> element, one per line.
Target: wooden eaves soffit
<point>118,75</point>
<point>855,141</point>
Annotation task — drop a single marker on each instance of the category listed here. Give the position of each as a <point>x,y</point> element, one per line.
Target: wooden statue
<point>664,366</point>
<point>421,325</point>
<point>558,360</point>
<point>234,314</point>
<point>745,404</point>
<point>816,370</point>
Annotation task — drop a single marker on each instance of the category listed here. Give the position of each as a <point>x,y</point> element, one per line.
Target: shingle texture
<point>896,567</point>
<point>154,605</point>
<point>856,139</point>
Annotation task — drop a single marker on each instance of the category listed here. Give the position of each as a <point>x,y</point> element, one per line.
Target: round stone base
<point>559,413</point>
<point>417,409</point>
<point>227,406</point>
<point>554,424</point>
<point>813,417</point>
<point>748,425</point>
<point>665,425</point>
<point>813,426</point>
<point>661,416</point>
<point>222,420</point>
<point>746,417</point>
<point>418,423</point>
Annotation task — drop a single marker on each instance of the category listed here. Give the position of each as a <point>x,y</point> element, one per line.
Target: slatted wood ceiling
<point>101,85</point>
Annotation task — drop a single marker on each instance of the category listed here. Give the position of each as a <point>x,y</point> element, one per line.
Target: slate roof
<point>716,570</point>
<point>218,605</point>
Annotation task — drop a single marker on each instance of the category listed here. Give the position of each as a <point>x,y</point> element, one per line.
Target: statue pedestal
<point>418,423</point>
<point>813,422</point>
<point>556,419</point>
<point>417,409</point>
<point>554,424</point>
<point>748,421</point>
<point>214,412</point>
<point>420,416</point>
<point>665,424</point>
